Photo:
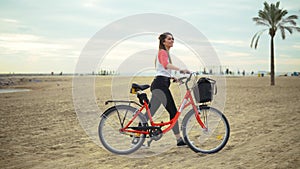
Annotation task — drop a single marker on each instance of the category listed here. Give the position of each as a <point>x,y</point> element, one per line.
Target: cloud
<point>37,47</point>
<point>236,54</point>
<point>9,20</point>
<point>229,42</point>
<point>27,42</point>
<point>296,46</point>
<point>56,30</point>
<point>289,61</point>
<point>18,37</point>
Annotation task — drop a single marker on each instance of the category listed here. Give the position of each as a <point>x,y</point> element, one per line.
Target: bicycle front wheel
<point>209,140</point>
<point>112,121</point>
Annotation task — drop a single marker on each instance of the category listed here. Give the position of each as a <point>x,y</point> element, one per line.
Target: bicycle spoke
<point>209,140</point>
<point>113,122</point>
<point>109,130</point>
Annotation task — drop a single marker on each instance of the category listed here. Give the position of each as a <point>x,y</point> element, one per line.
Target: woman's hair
<point>162,38</point>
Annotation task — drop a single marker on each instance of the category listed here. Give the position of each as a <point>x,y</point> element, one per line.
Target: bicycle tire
<point>207,141</point>
<point>111,137</point>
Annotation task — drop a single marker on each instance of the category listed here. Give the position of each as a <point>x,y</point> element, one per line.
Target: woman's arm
<point>173,67</point>
<point>163,59</point>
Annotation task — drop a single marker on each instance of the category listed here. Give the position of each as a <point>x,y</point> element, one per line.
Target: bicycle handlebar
<point>180,80</point>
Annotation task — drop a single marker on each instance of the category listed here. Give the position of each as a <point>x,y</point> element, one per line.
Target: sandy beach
<point>40,129</point>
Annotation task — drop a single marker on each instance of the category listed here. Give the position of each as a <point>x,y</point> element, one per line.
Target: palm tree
<point>274,19</point>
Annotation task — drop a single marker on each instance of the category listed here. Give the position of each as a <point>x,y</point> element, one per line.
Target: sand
<point>40,128</point>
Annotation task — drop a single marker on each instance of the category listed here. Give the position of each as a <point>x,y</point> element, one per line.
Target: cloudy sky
<point>48,36</point>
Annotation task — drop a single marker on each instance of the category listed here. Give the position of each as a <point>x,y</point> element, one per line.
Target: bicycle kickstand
<point>149,142</point>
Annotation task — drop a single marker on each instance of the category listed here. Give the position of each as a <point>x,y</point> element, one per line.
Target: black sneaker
<point>180,142</point>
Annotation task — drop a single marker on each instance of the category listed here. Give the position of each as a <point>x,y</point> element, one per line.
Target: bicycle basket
<point>204,90</point>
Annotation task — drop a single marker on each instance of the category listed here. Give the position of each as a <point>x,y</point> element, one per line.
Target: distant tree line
<point>104,72</point>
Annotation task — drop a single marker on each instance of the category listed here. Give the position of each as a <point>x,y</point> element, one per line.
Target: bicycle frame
<point>187,101</point>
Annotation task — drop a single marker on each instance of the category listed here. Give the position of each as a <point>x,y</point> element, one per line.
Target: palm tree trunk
<point>272,62</point>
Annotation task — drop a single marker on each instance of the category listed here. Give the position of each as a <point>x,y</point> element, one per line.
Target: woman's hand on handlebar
<point>184,71</point>
<point>176,80</point>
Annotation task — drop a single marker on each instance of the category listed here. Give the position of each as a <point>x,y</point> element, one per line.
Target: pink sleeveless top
<point>161,64</point>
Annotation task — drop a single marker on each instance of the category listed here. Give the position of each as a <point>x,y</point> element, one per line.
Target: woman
<point>160,85</point>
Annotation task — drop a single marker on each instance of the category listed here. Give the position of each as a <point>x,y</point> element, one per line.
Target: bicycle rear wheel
<point>112,120</point>
<point>210,140</point>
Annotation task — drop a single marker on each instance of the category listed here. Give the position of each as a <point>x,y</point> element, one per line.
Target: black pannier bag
<point>204,90</point>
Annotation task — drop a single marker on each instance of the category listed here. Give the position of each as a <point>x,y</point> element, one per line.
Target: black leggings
<point>162,95</point>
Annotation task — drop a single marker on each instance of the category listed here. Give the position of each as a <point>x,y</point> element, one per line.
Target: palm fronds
<point>256,38</point>
<point>274,19</point>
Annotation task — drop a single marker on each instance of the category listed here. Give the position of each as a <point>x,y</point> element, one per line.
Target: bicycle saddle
<point>138,87</point>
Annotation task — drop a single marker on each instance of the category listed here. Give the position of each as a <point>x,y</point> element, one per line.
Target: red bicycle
<point>123,129</point>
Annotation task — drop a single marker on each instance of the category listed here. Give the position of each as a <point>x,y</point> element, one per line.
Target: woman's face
<point>169,41</point>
